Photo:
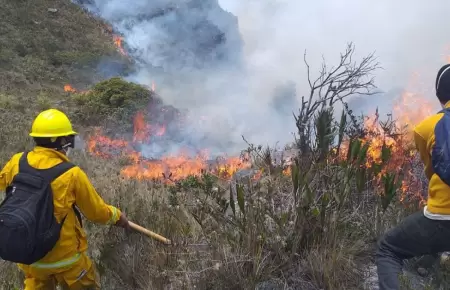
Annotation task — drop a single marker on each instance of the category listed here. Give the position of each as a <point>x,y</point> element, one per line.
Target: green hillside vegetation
<point>113,102</point>
<point>314,228</point>
<point>42,49</point>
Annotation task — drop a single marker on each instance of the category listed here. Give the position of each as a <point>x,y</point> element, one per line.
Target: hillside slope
<point>46,43</point>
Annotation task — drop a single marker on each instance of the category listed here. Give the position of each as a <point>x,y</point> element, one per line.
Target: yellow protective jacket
<point>72,187</point>
<point>438,192</point>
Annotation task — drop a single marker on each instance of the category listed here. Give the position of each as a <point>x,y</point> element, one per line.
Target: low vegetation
<point>310,223</point>
<point>113,100</point>
<point>48,43</point>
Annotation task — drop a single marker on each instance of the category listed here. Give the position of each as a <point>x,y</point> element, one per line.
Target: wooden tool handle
<point>149,233</point>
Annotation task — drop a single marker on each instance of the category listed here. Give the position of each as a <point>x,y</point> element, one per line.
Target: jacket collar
<point>50,152</point>
<point>447,105</point>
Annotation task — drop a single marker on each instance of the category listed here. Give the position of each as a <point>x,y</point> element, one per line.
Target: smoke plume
<point>237,65</point>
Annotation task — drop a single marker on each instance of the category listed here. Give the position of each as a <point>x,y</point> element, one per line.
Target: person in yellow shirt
<point>426,232</point>
<point>40,223</point>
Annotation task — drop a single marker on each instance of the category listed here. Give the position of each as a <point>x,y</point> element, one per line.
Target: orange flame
<point>287,171</point>
<point>142,130</point>
<point>168,168</point>
<point>69,88</point>
<point>409,110</point>
<point>118,42</point>
<point>173,168</point>
<point>412,107</point>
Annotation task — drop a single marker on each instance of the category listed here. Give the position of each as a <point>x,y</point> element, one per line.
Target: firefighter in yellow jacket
<point>67,263</point>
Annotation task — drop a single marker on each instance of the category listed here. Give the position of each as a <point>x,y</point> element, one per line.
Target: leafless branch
<point>334,84</point>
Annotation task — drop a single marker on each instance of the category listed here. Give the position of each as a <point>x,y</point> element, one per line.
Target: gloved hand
<point>123,222</point>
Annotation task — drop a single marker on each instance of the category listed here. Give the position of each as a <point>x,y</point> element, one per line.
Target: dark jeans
<point>415,236</point>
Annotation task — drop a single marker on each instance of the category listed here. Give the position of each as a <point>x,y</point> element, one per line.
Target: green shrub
<point>113,100</point>
<point>9,102</point>
<point>43,102</point>
<point>74,57</point>
<point>45,48</point>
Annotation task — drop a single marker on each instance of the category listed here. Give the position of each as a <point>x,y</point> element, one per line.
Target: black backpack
<point>440,155</point>
<point>28,227</point>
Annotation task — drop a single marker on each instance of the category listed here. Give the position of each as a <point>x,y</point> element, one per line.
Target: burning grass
<point>167,169</point>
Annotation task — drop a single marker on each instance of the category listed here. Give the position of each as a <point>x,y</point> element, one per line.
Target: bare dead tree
<point>332,85</point>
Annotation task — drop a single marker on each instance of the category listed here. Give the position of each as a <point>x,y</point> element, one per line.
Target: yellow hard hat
<point>51,123</point>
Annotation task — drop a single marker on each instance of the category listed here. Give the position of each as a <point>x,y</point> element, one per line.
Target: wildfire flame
<point>143,131</point>
<point>409,109</point>
<point>69,88</point>
<point>168,168</point>
<point>412,107</point>
<point>118,42</point>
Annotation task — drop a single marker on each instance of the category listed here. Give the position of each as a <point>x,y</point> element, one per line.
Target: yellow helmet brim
<point>48,135</point>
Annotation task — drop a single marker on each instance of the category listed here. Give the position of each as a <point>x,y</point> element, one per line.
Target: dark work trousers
<point>415,236</point>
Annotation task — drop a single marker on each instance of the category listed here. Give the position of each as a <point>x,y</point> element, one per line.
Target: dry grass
<point>251,254</point>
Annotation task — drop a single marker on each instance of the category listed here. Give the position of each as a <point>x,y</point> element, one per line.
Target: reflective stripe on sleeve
<point>59,264</point>
<point>113,219</point>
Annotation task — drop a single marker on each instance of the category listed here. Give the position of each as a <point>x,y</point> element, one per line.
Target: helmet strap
<point>66,148</point>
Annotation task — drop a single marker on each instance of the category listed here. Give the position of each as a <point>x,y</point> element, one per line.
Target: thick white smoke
<point>233,86</point>
<point>407,37</point>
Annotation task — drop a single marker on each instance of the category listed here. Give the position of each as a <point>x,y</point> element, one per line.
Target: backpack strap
<point>24,167</point>
<point>78,214</point>
<point>49,175</point>
<point>445,110</point>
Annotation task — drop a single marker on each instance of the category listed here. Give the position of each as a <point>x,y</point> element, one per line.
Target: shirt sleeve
<point>425,156</point>
<point>4,178</point>
<point>91,204</point>
<point>6,175</point>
